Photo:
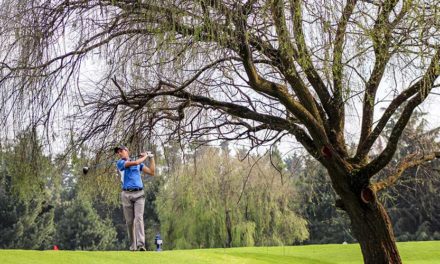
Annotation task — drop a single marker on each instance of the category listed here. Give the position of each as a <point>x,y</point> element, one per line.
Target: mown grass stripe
<point>412,253</point>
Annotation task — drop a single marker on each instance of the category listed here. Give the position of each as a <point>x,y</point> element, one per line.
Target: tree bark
<point>373,230</point>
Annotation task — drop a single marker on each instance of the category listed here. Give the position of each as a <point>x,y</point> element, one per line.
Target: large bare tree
<point>225,69</point>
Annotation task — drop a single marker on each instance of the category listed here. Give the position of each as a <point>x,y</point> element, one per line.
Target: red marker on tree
<point>326,152</point>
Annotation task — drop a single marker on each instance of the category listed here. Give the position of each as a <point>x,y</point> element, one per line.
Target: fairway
<point>411,252</point>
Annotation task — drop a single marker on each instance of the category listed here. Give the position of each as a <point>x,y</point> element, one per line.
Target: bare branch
<point>421,90</point>
<point>408,162</point>
<point>381,37</point>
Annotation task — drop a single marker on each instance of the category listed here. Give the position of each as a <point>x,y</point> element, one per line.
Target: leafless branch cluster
<point>210,69</point>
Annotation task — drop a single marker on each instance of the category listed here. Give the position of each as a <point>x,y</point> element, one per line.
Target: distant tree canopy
<point>221,202</point>
<point>222,69</point>
<point>412,202</point>
<point>81,228</point>
<point>326,224</point>
<point>25,224</point>
<point>40,205</point>
<point>26,208</point>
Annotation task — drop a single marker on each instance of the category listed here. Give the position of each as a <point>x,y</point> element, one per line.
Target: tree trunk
<point>372,228</point>
<point>228,229</point>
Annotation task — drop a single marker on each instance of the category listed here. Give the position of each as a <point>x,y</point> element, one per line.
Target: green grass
<point>411,252</point>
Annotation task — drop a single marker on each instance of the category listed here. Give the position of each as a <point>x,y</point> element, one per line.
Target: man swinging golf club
<point>132,195</point>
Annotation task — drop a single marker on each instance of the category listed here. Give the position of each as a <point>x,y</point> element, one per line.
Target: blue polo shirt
<point>131,176</point>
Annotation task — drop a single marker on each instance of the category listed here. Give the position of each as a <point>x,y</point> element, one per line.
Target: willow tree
<point>224,69</point>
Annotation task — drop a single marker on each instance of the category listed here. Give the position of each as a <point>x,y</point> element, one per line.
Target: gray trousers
<point>133,204</point>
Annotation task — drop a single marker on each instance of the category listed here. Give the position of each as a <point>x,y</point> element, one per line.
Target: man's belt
<point>132,189</point>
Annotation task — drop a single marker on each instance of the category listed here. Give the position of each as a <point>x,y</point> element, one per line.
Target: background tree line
<point>204,197</point>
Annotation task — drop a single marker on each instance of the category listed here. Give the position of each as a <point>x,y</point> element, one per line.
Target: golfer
<point>132,195</point>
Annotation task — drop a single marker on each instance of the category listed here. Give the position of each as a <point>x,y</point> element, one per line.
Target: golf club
<point>87,169</point>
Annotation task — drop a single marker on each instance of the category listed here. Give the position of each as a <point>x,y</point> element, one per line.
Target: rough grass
<point>411,252</point>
